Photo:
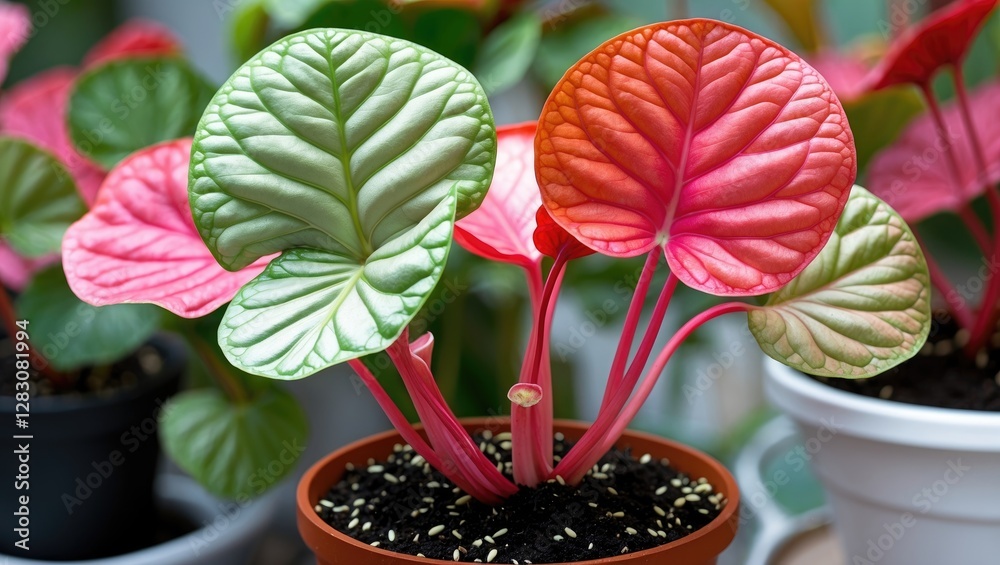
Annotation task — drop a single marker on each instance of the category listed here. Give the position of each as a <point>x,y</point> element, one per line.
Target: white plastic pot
<point>908,484</point>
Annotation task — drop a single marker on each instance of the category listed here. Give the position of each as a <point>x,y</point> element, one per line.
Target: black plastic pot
<point>92,462</point>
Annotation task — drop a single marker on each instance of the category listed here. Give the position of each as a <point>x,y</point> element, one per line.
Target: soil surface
<point>624,504</point>
<point>940,375</point>
<point>106,379</point>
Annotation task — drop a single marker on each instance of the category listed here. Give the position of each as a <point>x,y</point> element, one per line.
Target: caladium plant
<point>127,241</point>
<point>949,156</point>
<point>357,158</point>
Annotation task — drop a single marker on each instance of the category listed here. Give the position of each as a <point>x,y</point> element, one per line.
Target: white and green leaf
<point>352,154</point>
<point>861,307</point>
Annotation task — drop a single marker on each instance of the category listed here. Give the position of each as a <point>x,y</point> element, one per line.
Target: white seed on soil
<point>353,524</point>
<point>703,488</point>
<point>612,491</point>
<point>645,459</point>
<point>703,511</point>
<point>477,543</point>
<point>560,480</point>
<point>318,508</point>
<point>366,527</point>
<point>416,538</point>
<point>679,502</point>
<point>659,510</point>
<point>492,555</point>
<point>456,534</point>
<point>500,532</point>
<point>489,539</point>
<point>693,497</point>
<point>326,503</point>
<point>631,531</point>
<point>570,532</point>
<point>651,531</point>
<point>676,483</point>
<point>376,469</point>
<point>557,537</point>
<point>599,476</point>
<point>592,504</point>
<point>392,535</point>
<point>463,500</point>
<point>435,530</point>
<point>456,555</point>
<point>505,445</point>
<point>391,478</point>
<point>359,502</point>
<point>661,491</point>
<point>661,533</point>
<point>687,490</point>
<point>618,515</point>
<point>340,509</point>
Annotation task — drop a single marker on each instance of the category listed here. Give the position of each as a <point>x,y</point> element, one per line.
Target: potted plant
<point>99,397</point>
<point>915,452</point>
<point>356,158</point>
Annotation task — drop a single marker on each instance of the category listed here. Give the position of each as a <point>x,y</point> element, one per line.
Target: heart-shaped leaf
<point>38,199</point>
<point>508,51</point>
<point>941,39</point>
<point>35,109</point>
<point>718,145</point>
<point>353,153</point>
<point>863,306</point>
<point>139,244</point>
<point>134,38</point>
<point>15,26</point>
<point>234,450</point>
<point>550,238</point>
<point>500,230</point>
<point>72,334</point>
<point>127,104</point>
<point>913,175</point>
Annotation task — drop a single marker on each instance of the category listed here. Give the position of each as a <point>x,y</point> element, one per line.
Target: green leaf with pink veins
<point>861,307</point>
<point>352,154</point>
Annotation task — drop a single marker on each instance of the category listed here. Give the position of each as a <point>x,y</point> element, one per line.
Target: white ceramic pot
<point>909,485</point>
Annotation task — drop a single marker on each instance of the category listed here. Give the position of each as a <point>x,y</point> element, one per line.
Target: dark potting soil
<point>940,375</point>
<point>623,505</point>
<point>105,379</point>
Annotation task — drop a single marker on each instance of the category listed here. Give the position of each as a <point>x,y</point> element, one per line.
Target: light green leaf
<point>72,334</point>
<point>353,153</point>
<point>801,18</point>
<point>508,52</point>
<point>248,28</point>
<point>234,450</point>
<point>128,104</point>
<point>861,307</point>
<point>38,198</point>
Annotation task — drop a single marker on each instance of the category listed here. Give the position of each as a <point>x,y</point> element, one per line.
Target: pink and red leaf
<point>501,229</point>
<point>550,238</point>
<point>941,39</point>
<point>913,175</point>
<point>135,38</point>
<point>35,109</point>
<point>139,243</point>
<point>720,146</point>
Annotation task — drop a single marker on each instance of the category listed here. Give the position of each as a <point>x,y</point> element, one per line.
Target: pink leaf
<point>16,271</point>
<point>500,230</point>
<point>135,38</point>
<point>941,39</point>
<point>550,238</point>
<point>139,243</point>
<point>913,175</point>
<point>35,109</point>
<point>15,26</point>
<point>844,73</point>
<point>716,144</point>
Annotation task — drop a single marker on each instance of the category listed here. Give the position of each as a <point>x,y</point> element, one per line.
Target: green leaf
<point>374,16</point>
<point>570,41</point>
<point>128,104</point>
<point>861,307</point>
<point>877,118</point>
<point>508,52</point>
<point>353,153</point>
<point>248,29</point>
<point>72,334</point>
<point>38,198</point>
<point>234,450</point>
<point>801,18</point>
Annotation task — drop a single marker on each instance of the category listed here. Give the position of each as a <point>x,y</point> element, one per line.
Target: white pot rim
<point>880,420</point>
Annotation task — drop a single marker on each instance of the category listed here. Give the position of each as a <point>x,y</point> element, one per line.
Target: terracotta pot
<point>335,548</point>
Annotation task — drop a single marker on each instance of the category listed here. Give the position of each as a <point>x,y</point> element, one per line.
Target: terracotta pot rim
<point>727,519</point>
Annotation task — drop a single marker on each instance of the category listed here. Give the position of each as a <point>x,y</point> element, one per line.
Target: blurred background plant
<point>518,50</point>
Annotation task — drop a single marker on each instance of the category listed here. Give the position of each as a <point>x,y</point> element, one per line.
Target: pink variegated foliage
<point>913,175</point>
<point>139,244</point>
<point>500,230</point>
<point>15,26</point>
<point>940,40</point>
<point>721,147</point>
